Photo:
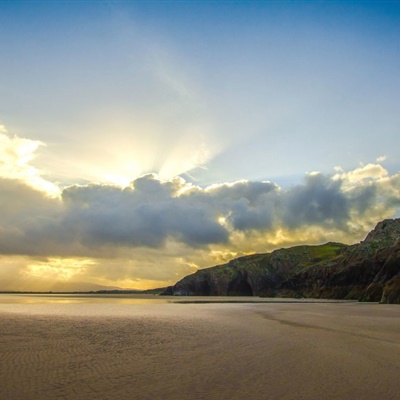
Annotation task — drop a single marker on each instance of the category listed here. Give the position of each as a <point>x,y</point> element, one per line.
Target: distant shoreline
<point>149,291</point>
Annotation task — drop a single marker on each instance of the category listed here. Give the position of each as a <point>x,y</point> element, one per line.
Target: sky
<point>141,141</point>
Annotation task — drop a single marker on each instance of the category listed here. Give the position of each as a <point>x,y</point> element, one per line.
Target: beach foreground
<point>200,351</point>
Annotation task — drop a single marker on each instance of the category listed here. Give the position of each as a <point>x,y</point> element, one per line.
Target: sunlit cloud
<point>16,155</point>
<point>381,159</point>
<point>362,174</point>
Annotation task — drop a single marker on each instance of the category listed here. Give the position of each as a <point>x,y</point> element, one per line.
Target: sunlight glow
<point>174,160</point>
<point>59,269</point>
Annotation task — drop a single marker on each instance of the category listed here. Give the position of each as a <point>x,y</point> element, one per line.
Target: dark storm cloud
<point>247,205</point>
<point>363,198</point>
<point>142,215</point>
<point>318,201</point>
<point>92,220</point>
<point>27,218</point>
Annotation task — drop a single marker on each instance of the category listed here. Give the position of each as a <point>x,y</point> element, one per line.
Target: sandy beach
<point>273,351</point>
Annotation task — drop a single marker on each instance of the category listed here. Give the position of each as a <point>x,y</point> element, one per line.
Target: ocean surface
<point>67,298</point>
<point>18,298</point>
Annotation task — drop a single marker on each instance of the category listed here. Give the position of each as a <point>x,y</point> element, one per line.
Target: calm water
<point>106,304</point>
<point>81,299</point>
<point>139,299</point>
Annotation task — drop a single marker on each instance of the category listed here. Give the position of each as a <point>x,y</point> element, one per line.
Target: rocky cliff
<point>367,271</point>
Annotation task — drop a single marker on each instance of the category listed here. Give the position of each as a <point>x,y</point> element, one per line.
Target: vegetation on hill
<point>368,271</point>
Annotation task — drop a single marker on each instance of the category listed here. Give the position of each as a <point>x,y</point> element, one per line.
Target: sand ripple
<point>230,351</point>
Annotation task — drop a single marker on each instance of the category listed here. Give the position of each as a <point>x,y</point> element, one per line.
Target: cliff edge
<point>367,271</point>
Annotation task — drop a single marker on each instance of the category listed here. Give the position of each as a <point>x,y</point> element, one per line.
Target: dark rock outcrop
<point>368,271</point>
<point>258,274</point>
<point>391,291</point>
<point>361,272</point>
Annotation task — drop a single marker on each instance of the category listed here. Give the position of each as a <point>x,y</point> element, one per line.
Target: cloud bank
<point>87,219</point>
<point>174,225</point>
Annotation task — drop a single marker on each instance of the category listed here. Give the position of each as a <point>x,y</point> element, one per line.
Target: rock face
<point>361,272</point>
<point>368,271</point>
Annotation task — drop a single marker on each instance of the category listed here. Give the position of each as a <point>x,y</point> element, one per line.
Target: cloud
<point>381,159</point>
<point>16,155</point>
<point>246,205</point>
<point>145,214</point>
<point>360,175</point>
<point>154,231</point>
<point>318,201</point>
<point>97,219</point>
<point>28,219</point>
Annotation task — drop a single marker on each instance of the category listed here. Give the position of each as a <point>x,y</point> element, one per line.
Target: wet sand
<point>200,351</point>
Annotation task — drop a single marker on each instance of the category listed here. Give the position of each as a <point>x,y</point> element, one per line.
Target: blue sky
<point>104,92</point>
